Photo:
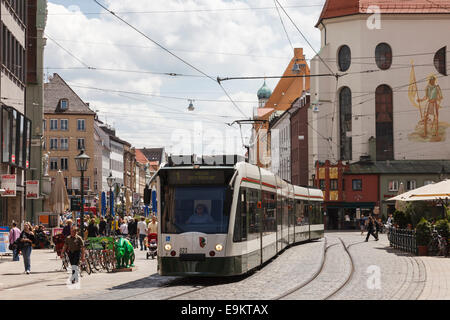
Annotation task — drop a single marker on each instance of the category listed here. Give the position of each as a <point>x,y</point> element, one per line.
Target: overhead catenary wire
<point>212,10</point>
<point>236,53</point>
<point>282,23</point>
<point>301,33</point>
<point>172,54</point>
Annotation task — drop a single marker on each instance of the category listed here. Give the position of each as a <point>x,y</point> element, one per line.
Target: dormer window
<point>63,104</point>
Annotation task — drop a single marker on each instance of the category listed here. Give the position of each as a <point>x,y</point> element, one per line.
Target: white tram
<point>227,220</point>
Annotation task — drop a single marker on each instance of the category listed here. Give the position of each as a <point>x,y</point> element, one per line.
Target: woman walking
<point>371,229</point>
<point>26,241</point>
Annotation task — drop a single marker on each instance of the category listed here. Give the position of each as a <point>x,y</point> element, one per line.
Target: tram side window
<point>291,212</point>
<point>308,214</point>
<point>316,216</point>
<point>300,217</point>
<point>269,203</point>
<point>240,224</point>
<point>254,219</point>
<point>285,212</point>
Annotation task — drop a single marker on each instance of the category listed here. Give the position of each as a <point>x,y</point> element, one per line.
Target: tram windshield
<point>196,208</point>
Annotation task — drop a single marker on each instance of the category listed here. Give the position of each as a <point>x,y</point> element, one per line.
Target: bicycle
<point>438,244</point>
<point>85,265</point>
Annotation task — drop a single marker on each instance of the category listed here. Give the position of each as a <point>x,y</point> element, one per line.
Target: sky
<point>125,76</point>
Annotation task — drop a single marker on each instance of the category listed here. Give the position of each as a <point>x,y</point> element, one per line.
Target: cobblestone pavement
<point>48,281</point>
<point>369,271</point>
<point>381,272</point>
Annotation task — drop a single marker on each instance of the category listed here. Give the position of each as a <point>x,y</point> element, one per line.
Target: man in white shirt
<point>124,228</point>
<point>142,230</point>
<point>153,226</point>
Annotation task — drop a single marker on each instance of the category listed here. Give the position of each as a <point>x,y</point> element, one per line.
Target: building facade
<point>286,92</point>
<point>280,144</point>
<point>387,102</point>
<point>299,141</point>
<point>68,129</point>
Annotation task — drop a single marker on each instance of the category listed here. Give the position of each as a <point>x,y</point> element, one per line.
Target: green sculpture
<point>124,253</point>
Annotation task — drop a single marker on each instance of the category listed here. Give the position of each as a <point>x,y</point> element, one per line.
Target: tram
<point>228,219</point>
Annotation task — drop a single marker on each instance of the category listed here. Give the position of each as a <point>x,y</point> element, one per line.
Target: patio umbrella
<point>434,191</point>
<point>399,204</point>
<point>59,200</point>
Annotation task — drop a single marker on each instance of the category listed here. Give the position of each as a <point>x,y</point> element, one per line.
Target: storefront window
<point>6,135</point>
<point>14,136</point>
<point>20,140</point>
<point>28,144</point>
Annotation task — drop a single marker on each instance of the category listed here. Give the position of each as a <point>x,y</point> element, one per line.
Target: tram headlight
<point>167,247</point>
<point>219,247</point>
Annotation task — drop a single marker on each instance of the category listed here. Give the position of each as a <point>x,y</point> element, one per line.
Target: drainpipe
<point>325,28</point>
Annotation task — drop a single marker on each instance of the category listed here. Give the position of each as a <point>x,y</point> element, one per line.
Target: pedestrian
<point>92,229</point>
<point>74,245</point>
<point>67,227</point>
<point>142,230</point>
<point>153,226</point>
<point>132,229</point>
<point>26,243</point>
<point>102,226</point>
<point>371,229</point>
<point>362,224</point>
<point>124,228</point>
<point>14,234</point>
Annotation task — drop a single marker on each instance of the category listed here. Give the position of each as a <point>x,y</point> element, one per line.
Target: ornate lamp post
<point>82,161</point>
<point>110,180</point>
<point>124,190</point>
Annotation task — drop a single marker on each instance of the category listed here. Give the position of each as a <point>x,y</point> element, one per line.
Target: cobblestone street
<point>317,270</point>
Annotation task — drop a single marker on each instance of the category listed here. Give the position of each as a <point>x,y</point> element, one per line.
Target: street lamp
<point>82,161</point>
<point>110,180</point>
<point>124,189</point>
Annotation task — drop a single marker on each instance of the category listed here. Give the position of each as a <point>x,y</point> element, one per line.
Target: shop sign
<point>32,189</point>
<point>4,242</point>
<point>9,184</point>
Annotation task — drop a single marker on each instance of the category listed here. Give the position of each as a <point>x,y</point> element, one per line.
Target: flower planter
<point>423,250</point>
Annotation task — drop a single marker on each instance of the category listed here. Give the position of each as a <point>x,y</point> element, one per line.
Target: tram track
<point>320,273</point>
<point>310,280</point>
<point>350,275</point>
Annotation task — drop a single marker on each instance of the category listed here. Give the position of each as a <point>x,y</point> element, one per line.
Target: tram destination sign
<point>195,177</point>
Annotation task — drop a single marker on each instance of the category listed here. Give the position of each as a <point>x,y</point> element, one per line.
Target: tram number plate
<point>183,250</point>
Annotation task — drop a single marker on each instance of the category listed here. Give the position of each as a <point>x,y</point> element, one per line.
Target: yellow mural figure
<point>433,95</point>
<point>428,128</point>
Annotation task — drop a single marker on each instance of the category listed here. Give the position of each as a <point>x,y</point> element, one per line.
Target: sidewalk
<point>48,281</point>
<point>437,285</point>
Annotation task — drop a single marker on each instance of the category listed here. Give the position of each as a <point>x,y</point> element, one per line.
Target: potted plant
<point>423,236</point>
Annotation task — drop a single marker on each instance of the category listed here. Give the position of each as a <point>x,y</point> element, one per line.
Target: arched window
<point>384,123</point>
<point>440,61</point>
<point>344,58</point>
<point>345,123</point>
<point>383,56</point>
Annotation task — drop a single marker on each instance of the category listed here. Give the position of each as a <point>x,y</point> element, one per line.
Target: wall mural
<point>429,128</point>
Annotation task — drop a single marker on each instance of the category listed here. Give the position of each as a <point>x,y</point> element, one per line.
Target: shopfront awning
<point>348,205</point>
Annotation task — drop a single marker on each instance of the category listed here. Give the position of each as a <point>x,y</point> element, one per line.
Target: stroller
<point>152,245</point>
<point>58,240</point>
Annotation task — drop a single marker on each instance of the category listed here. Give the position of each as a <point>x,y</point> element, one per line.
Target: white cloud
<point>254,36</point>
